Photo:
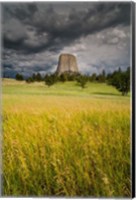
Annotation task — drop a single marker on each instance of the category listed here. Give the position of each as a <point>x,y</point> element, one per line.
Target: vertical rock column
<point>67,63</point>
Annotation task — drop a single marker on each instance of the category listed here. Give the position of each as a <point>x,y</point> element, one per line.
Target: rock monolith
<point>67,64</point>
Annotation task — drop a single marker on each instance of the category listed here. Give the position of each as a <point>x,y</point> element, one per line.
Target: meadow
<point>65,141</point>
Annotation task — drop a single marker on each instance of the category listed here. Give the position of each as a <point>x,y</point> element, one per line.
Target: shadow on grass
<point>108,94</point>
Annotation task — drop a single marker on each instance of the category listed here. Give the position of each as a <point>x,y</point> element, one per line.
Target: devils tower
<point>67,64</point>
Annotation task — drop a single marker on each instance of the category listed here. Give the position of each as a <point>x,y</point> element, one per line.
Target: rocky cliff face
<point>67,64</point>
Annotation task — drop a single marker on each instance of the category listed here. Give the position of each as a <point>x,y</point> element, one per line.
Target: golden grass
<point>66,146</point>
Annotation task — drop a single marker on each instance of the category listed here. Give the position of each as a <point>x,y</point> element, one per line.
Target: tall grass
<point>66,146</point>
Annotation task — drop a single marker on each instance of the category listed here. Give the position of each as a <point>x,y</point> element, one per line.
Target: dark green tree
<point>92,78</point>
<point>121,80</point>
<point>82,80</point>
<point>50,79</point>
<point>19,77</point>
<point>38,77</point>
<point>101,77</point>
<point>63,77</point>
<point>34,77</point>
<point>29,80</point>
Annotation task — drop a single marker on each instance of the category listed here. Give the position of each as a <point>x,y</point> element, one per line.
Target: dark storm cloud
<point>11,70</point>
<point>9,66</point>
<point>20,11</point>
<point>61,29</point>
<point>34,34</point>
<point>46,68</point>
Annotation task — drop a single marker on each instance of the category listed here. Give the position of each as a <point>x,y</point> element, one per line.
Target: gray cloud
<point>64,28</point>
<point>36,30</point>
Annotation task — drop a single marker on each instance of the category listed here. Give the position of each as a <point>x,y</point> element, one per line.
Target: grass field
<point>65,140</point>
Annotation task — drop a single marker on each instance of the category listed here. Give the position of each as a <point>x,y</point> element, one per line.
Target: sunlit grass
<point>65,145</point>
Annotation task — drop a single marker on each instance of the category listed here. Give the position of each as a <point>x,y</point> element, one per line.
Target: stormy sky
<point>35,34</point>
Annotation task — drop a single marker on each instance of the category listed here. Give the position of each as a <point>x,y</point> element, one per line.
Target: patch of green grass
<point>66,88</point>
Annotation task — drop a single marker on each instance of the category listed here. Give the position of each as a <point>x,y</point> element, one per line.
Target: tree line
<point>119,79</point>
